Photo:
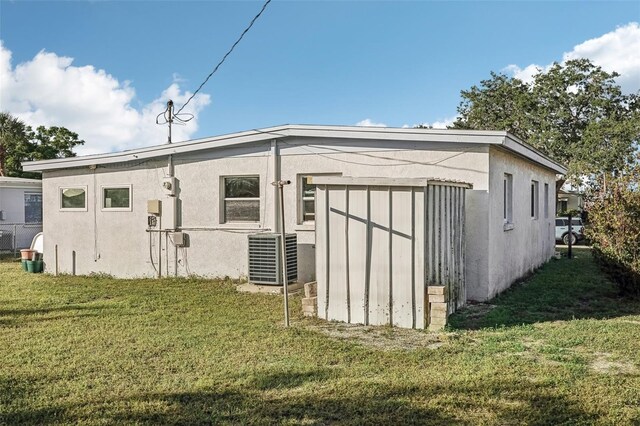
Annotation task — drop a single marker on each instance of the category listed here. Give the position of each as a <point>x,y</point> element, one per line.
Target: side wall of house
<point>12,203</point>
<point>518,248</point>
<point>116,242</point>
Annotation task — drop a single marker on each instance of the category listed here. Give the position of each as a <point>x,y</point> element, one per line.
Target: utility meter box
<point>169,185</point>
<point>154,207</point>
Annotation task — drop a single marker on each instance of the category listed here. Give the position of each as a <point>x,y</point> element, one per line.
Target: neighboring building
<point>20,212</point>
<point>569,200</point>
<point>97,212</point>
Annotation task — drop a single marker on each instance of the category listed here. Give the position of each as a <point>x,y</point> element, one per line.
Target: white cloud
<point>369,123</point>
<point>438,124</point>
<point>48,90</point>
<point>614,51</point>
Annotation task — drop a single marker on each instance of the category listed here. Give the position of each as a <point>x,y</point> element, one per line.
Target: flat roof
<point>489,137</point>
<point>14,182</point>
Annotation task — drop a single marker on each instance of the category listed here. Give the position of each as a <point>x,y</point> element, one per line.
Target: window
<point>116,198</point>
<point>32,207</point>
<point>507,197</point>
<point>563,206</point>
<point>546,200</point>
<point>73,198</point>
<point>534,199</point>
<point>307,197</point>
<point>561,222</point>
<point>241,201</point>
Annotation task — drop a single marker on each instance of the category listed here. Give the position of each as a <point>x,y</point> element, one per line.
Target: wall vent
<point>265,264</point>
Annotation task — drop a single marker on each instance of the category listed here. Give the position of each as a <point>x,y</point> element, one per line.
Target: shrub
<point>614,228</point>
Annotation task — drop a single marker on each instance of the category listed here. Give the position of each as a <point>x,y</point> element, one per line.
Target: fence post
<point>570,237</point>
<point>15,248</point>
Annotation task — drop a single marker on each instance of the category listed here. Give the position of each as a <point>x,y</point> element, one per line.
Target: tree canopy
<point>19,142</point>
<point>574,112</point>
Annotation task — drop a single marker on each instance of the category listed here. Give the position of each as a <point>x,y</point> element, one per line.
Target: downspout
<point>275,163</point>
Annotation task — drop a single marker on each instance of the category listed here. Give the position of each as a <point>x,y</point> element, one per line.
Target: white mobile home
<point>187,208</point>
<point>20,212</point>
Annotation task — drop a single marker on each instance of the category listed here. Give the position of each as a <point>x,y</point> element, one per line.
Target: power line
<point>255,18</point>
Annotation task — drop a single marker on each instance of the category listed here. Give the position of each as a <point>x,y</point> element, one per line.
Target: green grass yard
<point>560,348</point>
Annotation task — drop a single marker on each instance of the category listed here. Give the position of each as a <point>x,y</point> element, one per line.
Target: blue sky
<point>312,62</point>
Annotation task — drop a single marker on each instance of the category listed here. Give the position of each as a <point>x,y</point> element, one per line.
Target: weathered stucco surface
<point>116,242</point>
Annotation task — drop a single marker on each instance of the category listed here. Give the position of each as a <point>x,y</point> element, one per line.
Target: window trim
<point>116,209</point>
<point>535,200</point>
<point>300,198</point>
<point>507,201</point>
<point>24,194</point>
<point>73,209</point>
<point>223,200</point>
<point>546,201</point>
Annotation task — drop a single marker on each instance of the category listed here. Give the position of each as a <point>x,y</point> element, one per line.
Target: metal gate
<point>381,242</point>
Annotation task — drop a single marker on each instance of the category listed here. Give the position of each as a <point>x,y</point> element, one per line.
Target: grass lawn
<point>561,348</point>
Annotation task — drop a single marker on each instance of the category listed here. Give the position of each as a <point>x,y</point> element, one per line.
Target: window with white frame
<point>73,198</point>
<point>546,200</point>
<point>507,197</point>
<point>307,197</point>
<point>116,198</point>
<point>534,199</point>
<point>241,199</point>
<point>33,207</point>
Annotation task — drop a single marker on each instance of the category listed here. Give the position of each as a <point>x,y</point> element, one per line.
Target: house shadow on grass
<point>18,317</point>
<point>330,401</point>
<point>563,289</point>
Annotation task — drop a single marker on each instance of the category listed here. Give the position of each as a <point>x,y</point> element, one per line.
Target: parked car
<point>562,230</point>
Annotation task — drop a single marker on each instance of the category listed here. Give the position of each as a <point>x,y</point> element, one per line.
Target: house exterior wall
<point>518,250</point>
<point>12,203</point>
<point>116,242</point>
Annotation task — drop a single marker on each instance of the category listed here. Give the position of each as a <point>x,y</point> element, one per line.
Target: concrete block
<point>439,314</point>
<point>438,321</point>
<point>439,307</point>
<point>438,298</point>
<point>435,289</point>
<point>436,327</point>
<point>311,289</point>
<point>310,301</point>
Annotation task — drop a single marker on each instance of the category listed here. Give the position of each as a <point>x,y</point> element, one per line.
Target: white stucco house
<point>20,211</point>
<point>188,207</point>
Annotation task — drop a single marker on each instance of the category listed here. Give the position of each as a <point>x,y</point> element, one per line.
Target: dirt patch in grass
<point>603,364</point>
<point>385,338</point>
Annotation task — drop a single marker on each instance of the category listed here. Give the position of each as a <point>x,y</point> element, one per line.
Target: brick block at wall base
<point>436,289</point>
<point>310,306</point>
<point>438,307</point>
<point>311,289</point>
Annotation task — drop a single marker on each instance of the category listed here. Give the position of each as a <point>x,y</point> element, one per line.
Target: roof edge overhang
<point>488,137</point>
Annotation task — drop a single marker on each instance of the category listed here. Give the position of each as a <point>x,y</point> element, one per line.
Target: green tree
<point>574,112</point>
<point>18,143</point>
<point>14,144</point>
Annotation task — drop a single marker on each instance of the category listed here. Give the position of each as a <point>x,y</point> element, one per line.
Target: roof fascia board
<point>516,145</point>
<point>338,132</point>
<point>151,152</point>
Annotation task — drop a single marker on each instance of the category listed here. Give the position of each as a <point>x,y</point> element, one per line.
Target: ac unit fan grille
<point>265,258</point>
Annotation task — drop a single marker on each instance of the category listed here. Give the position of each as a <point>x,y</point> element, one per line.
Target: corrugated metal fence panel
<point>446,241</point>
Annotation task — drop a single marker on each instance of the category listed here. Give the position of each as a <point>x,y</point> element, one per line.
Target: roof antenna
<point>168,117</point>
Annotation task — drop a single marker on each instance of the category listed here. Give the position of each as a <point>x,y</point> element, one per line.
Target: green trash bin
<point>30,265</point>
